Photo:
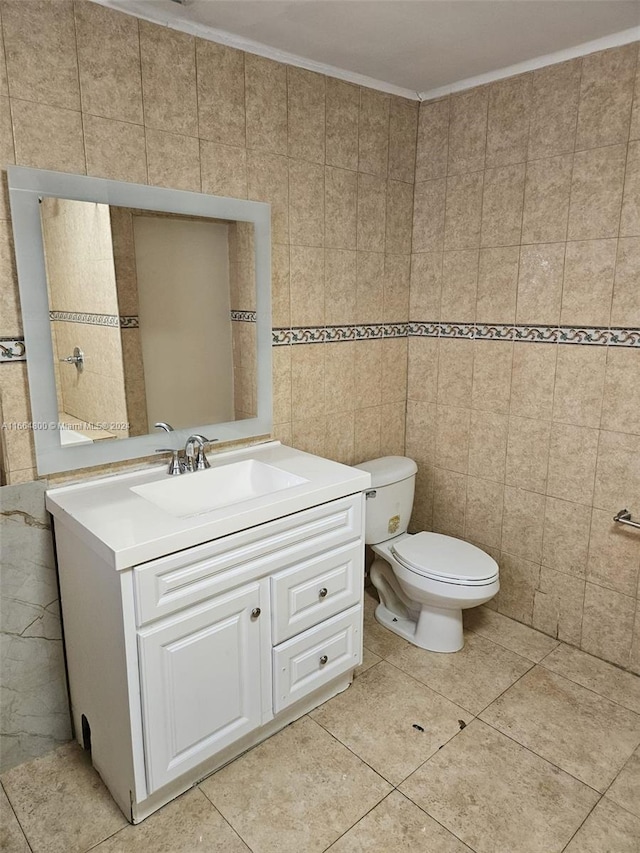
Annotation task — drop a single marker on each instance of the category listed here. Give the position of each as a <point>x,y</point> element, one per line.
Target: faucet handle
<point>176,464</point>
<point>199,461</point>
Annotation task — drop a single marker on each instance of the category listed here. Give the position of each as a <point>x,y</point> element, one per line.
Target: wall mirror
<point>139,304</point>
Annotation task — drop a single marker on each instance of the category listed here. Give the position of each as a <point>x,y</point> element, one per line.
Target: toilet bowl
<point>424,580</point>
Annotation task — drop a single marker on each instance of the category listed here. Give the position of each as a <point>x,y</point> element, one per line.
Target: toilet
<point>424,580</point>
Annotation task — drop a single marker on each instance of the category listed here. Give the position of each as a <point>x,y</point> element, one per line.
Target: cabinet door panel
<point>201,682</point>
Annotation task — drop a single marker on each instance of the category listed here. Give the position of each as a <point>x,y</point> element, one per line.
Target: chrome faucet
<point>192,458</point>
<point>194,453</point>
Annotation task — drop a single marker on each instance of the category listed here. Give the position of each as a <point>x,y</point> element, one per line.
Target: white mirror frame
<point>26,187</point>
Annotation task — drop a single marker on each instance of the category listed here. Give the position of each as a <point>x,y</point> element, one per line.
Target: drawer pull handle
<point>323,592</point>
<point>323,660</point>
<point>255,612</point>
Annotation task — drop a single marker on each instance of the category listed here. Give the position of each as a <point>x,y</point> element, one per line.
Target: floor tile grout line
<point>433,690</point>
<point>542,757</point>
<point>513,651</point>
<point>359,757</point>
<point>448,740</point>
<point>335,840</point>
<point>4,791</point>
<point>590,689</point>
<point>444,826</point>
<point>586,817</point>
<point>617,804</point>
<point>213,805</point>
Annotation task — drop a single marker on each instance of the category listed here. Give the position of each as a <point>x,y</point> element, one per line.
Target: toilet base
<point>437,629</point>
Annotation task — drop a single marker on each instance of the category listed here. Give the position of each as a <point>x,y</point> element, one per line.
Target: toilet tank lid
<point>389,469</point>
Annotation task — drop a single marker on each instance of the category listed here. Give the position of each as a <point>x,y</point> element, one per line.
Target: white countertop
<point>125,529</point>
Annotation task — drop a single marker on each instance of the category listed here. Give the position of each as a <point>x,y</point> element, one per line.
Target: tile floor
<point>517,744</point>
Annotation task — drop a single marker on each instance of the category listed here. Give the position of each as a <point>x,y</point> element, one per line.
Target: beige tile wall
<point>85,89</point>
<point>527,210</point>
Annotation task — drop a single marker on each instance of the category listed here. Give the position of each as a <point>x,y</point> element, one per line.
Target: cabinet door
<point>201,680</point>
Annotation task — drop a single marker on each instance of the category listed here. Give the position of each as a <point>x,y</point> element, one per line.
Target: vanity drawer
<point>315,658</point>
<point>314,590</point>
<point>187,577</point>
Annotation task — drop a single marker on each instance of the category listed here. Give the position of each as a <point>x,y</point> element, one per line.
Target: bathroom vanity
<point>205,612</point>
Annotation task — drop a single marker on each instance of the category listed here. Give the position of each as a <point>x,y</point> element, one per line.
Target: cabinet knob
<point>323,660</point>
<point>323,592</point>
<point>255,612</point>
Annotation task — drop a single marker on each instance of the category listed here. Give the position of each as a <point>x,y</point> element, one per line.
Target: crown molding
<point>142,10</point>
<point>612,40</point>
<point>139,9</point>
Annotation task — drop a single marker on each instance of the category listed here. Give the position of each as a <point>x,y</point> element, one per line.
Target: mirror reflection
<point>152,318</point>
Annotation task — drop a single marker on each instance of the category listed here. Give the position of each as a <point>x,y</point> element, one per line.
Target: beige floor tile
<point>375,718</point>
<point>399,825</point>
<point>498,797</point>
<point>61,803</point>
<point>597,675</point>
<point>298,791</point>
<point>625,790</point>
<point>378,639</point>
<point>608,829</point>
<point>472,677</point>
<point>369,659</point>
<point>186,825</point>
<point>12,838</point>
<point>507,632</point>
<point>577,730</point>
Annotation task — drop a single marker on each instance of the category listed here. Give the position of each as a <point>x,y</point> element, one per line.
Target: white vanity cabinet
<point>179,663</point>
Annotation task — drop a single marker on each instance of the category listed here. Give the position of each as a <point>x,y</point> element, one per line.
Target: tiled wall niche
<point>526,237</point>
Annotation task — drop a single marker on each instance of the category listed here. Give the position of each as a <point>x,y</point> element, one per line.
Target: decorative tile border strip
<point>129,321</point>
<point>243,316</point>
<point>585,336</point>
<point>536,334</point>
<point>624,337</point>
<point>123,321</point>
<point>12,349</point>
<point>85,318</point>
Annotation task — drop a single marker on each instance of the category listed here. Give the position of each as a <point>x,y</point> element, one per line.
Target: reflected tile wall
<point>536,443</point>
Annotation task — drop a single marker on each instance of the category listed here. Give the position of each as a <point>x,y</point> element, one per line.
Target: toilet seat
<point>445,559</point>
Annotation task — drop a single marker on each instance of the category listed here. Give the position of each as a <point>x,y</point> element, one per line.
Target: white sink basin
<point>203,491</point>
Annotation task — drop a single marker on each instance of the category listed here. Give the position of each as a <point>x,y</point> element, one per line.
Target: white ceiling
<point>420,46</point>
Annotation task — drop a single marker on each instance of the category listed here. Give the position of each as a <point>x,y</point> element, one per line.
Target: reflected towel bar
<point>624,517</point>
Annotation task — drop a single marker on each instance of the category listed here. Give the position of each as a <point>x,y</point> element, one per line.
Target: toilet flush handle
<point>370,493</point>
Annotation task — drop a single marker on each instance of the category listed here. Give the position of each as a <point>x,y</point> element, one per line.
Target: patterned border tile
<point>624,337</point>
<point>12,349</point>
<point>594,336</point>
<point>129,321</point>
<point>457,330</point>
<point>423,330</point>
<point>536,334</point>
<point>243,316</point>
<point>396,330</point>
<point>585,336</point>
<point>85,318</point>
<point>310,335</point>
<point>496,332</point>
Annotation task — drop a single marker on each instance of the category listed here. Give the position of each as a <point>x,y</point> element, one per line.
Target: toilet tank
<point>388,510</point>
